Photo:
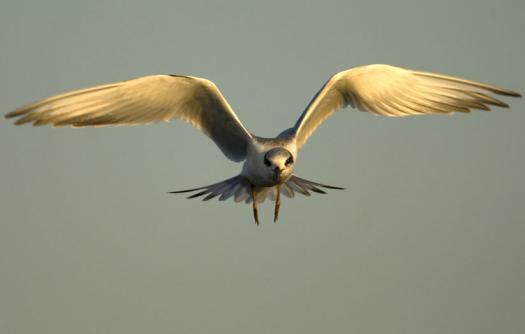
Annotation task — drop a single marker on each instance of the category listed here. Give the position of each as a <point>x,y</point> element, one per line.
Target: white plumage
<point>268,167</point>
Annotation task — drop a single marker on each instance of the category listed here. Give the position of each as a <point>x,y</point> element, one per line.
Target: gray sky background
<point>428,238</point>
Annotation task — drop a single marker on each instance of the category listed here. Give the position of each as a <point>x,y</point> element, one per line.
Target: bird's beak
<point>277,173</point>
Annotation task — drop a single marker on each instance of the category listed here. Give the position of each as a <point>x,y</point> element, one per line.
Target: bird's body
<point>268,162</point>
<point>258,172</point>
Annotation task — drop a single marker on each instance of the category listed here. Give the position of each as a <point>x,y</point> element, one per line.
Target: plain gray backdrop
<point>427,238</point>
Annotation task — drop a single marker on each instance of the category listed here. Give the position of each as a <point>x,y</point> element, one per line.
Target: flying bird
<point>268,168</point>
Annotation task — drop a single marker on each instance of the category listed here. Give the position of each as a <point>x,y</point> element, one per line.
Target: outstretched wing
<point>393,91</point>
<point>145,100</point>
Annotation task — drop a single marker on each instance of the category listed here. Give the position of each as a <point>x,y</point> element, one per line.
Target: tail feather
<point>287,191</point>
<point>312,183</point>
<point>297,188</point>
<point>239,188</point>
<point>236,186</point>
<point>228,192</point>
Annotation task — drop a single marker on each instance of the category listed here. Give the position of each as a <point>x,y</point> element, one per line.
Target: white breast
<point>255,170</point>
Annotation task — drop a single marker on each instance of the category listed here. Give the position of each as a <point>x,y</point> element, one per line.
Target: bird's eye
<point>267,162</point>
<point>289,161</point>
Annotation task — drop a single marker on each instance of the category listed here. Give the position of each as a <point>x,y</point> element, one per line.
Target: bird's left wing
<point>145,100</point>
<point>393,91</point>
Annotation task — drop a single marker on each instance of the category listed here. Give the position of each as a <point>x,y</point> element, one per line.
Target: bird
<point>268,163</point>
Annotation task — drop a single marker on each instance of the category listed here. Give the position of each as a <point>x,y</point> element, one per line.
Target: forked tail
<point>237,187</point>
<point>240,189</point>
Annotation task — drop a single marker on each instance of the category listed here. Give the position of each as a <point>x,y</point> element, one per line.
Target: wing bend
<point>393,91</point>
<point>144,100</point>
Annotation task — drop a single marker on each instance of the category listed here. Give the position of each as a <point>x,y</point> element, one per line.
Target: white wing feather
<point>393,91</point>
<point>145,100</point>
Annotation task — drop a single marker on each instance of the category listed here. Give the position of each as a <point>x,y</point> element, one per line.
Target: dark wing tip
<point>21,121</point>
<point>508,92</point>
<point>15,113</point>
<point>503,105</point>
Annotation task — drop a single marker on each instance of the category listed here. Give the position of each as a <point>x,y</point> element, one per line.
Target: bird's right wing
<point>145,100</point>
<point>394,91</point>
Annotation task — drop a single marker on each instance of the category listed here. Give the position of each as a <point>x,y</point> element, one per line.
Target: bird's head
<point>280,163</point>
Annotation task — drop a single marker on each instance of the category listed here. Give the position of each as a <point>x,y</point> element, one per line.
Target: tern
<point>268,168</point>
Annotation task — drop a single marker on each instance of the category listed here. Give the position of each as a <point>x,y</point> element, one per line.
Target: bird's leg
<point>277,204</point>
<point>254,205</point>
